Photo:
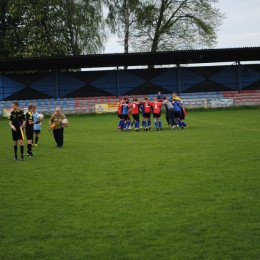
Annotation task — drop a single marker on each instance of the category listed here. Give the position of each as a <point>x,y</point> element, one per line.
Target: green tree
<point>83,26</point>
<point>3,27</point>
<point>166,25</point>
<point>38,28</point>
<point>121,17</point>
<point>8,23</point>
<point>36,32</point>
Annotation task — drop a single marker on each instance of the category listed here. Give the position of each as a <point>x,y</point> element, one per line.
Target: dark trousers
<point>170,115</point>
<point>58,136</point>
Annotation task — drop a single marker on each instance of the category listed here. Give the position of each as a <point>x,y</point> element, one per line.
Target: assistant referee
<point>17,120</point>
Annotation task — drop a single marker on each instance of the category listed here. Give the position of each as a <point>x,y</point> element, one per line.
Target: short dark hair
<point>15,103</point>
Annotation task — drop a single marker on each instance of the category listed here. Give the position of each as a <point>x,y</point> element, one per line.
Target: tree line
<point>40,28</point>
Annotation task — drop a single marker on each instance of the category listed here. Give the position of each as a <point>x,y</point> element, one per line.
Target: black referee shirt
<point>17,117</point>
<point>29,118</point>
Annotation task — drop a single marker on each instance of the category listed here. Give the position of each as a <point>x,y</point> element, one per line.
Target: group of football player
<point>175,113</point>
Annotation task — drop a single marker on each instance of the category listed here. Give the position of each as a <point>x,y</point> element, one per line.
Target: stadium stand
<point>87,104</point>
<point>77,109</point>
<point>58,103</point>
<point>237,100</point>
<point>51,109</point>
<point>8,103</point>
<point>71,106</point>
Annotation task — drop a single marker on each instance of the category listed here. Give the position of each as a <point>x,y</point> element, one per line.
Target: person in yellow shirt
<point>175,97</point>
<point>182,118</point>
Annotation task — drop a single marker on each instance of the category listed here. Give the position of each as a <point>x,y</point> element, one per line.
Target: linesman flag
<point>52,126</point>
<point>22,133</point>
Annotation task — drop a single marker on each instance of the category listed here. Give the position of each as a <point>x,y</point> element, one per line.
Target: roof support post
<point>118,83</point>
<point>179,78</point>
<point>57,83</point>
<point>3,88</point>
<point>239,75</point>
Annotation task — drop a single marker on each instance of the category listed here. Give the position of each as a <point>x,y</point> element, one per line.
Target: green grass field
<point>182,194</point>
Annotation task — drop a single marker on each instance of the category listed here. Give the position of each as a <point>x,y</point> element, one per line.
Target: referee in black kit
<point>17,122</point>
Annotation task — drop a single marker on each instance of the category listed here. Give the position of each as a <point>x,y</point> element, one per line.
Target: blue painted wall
<point>129,82</point>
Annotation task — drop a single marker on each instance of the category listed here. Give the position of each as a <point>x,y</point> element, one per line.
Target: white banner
<point>7,111</point>
<point>105,108</point>
<point>221,102</point>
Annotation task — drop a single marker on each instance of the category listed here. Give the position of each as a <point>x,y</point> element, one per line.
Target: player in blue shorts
<point>36,127</point>
<point>125,110</point>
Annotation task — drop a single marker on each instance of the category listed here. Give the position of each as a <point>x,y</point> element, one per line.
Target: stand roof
<point>132,59</point>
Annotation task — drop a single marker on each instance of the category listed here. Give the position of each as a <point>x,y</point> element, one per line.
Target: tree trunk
<point>126,38</point>
<point>156,35</point>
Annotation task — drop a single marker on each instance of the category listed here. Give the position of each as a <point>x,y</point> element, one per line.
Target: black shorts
<point>37,131</point>
<point>147,115</point>
<point>17,135</point>
<point>156,115</point>
<point>177,114</point>
<point>29,133</point>
<point>125,117</point>
<point>135,117</point>
<point>121,116</point>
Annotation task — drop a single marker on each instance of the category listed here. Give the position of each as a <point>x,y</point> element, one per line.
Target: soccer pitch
<point>171,194</point>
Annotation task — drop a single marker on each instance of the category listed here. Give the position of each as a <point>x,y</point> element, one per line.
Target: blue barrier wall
<point>129,82</point>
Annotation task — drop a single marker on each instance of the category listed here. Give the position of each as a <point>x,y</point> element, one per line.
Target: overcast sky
<point>241,28</point>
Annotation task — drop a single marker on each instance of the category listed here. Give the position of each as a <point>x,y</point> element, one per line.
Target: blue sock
<point>160,124</point>
<point>137,124</point>
<point>144,123</point>
<point>156,124</point>
<point>184,124</point>
<point>180,124</point>
<point>149,122</point>
<point>122,123</point>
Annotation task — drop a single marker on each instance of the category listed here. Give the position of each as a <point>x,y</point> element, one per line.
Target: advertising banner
<point>7,112</point>
<point>222,102</point>
<point>106,108</point>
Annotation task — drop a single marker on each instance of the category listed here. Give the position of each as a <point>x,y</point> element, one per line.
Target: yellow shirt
<point>176,98</point>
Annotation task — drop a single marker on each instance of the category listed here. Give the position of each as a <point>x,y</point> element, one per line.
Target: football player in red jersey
<point>129,117</point>
<point>157,113</point>
<point>120,114</point>
<point>147,114</point>
<point>135,113</point>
